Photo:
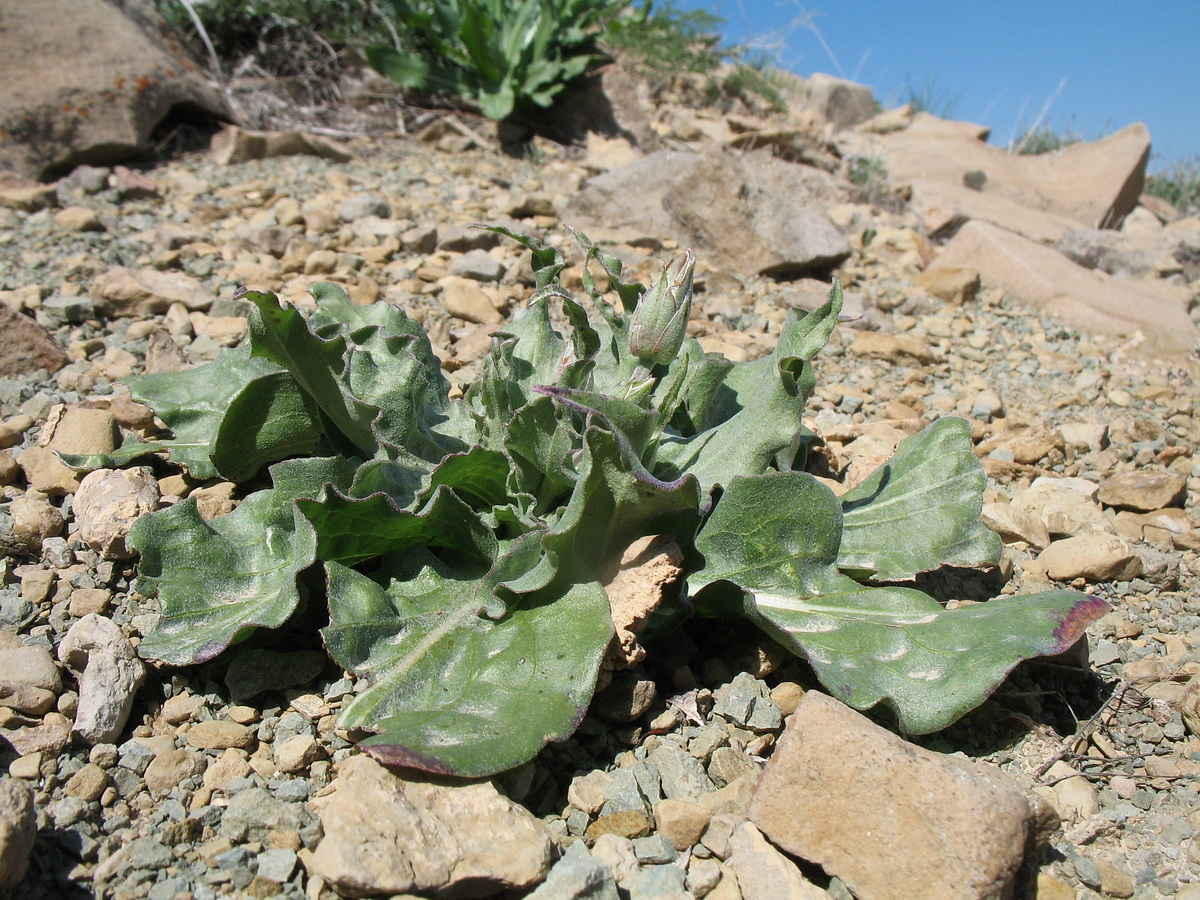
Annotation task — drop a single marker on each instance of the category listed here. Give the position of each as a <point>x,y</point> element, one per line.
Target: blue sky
<point>1094,67</point>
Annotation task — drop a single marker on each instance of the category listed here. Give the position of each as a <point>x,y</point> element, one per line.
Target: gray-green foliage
<point>507,55</point>
<point>463,542</point>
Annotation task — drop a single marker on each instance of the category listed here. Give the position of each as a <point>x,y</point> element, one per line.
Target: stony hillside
<point>1045,300</point>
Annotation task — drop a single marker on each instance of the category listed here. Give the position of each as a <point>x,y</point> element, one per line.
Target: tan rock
<point>30,666</point>
<point>385,835</point>
<point>233,763</point>
<point>855,799</point>
<point>952,284</point>
<point>1062,507</point>
<point>146,292</point>
<point>109,674</point>
<point>108,503</point>
<point>1143,490</point>
<point>1074,796</point>
<point>215,734</point>
<point>18,831</point>
<point>125,78</point>
<point>902,348</point>
<point>235,145</point>
<point>763,873</point>
<point>1028,446</point>
<point>35,520</point>
<point>618,854</point>
<point>172,766</point>
<point>50,737</point>
<point>25,346</point>
<point>1189,706</point>
<point>681,821</point>
<point>78,218</point>
<point>465,299</point>
<point>1014,524</point>
<point>297,753</point>
<point>88,783</point>
<point>1042,280</point>
<point>1093,557</point>
<point>1092,184</point>
<point>629,823</point>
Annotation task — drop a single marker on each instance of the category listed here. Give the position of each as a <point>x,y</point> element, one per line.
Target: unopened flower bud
<point>660,321</point>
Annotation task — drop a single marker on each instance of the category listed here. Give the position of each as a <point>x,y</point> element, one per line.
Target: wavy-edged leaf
<point>193,403</point>
<point>280,333</point>
<point>919,510</point>
<point>218,580</point>
<point>351,530</point>
<point>753,415</point>
<point>267,420</point>
<point>615,501</point>
<point>770,548</point>
<point>455,692</point>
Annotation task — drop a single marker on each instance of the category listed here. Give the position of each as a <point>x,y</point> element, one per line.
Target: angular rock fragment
<point>109,674</point>
<point>386,835</point>
<point>891,819</point>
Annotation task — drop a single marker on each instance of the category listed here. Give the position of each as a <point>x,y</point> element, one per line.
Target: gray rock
<point>578,876</point>
<point>59,309</point>
<point>385,835</point>
<point>149,853</point>
<point>109,674</point>
<point>478,266</point>
<point>623,793</point>
<point>254,671</point>
<point>654,850</point>
<point>18,829</point>
<point>276,865</point>
<point>362,205</point>
<point>746,701</point>
<point>682,774</point>
<point>658,883</point>
<point>253,814</point>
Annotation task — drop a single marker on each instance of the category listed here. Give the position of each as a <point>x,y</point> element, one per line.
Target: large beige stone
<point>1092,184</point>
<point>1043,280</point>
<point>891,819</point>
<point>386,835</point>
<point>746,213</point>
<point>88,81</point>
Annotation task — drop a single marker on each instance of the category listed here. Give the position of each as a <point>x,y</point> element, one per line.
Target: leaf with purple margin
<point>771,547</point>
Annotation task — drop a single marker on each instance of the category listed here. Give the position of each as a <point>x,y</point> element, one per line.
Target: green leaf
<point>613,505</point>
<point>193,403</point>
<point>281,334</point>
<point>351,531</point>
<point>753,415</point>
<point>770,547</point>
<point>217,581</point>
<point>920,510</point>
<point>267,420</point>
<point>456,692</point>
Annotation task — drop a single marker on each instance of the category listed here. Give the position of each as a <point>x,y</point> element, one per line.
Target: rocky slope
<point>1068,353</point>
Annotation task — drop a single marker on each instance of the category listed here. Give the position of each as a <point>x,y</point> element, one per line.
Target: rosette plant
<point>462,542</point>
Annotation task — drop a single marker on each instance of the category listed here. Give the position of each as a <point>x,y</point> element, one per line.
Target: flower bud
<point>659,323</point>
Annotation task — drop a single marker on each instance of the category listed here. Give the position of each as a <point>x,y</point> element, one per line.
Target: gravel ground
<point>176,806</point>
